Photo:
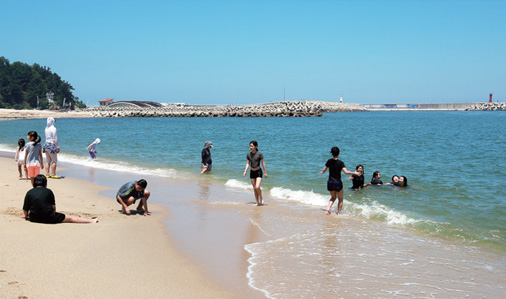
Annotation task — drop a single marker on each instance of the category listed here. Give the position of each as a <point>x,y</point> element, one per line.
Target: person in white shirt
<point>51,149</point>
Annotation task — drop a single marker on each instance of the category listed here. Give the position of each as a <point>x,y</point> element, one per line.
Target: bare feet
<point>126,211</point>
<point>95,220</point>
<point>328,211</point>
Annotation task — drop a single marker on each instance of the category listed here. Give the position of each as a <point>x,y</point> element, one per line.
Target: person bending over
<point>130,192</point>
<point>40,206</point>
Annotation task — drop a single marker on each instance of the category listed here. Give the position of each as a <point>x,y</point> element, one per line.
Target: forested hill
<point>21,84</point>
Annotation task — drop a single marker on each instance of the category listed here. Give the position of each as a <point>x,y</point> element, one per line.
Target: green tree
<point>21,84</point>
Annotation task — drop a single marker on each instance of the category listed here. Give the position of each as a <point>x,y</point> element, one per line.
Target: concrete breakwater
<point>278,109</point>
<point>495,106</point>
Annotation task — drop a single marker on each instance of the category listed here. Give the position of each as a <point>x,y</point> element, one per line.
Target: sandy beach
<point>120,257</point>
<point>34,114</point>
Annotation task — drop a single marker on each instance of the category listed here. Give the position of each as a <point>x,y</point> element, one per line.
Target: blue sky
<point>247,52</point>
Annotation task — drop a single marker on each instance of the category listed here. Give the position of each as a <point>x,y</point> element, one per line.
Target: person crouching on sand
<point>130,192</point>
<point>334,183</point>
<point>40,206</point>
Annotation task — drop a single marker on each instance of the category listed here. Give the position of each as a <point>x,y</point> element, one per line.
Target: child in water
<point>33,155</point>
<point>376,176</point>
<point>91,148</point>
<point>358,180</point>
<point>20,158</point>
<point>334,183</point>
<point>403,181</point>
<point>395,181</point>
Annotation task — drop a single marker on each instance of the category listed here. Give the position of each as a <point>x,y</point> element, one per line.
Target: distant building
<point>135,104</point>
<point>106,102</point>
<point>110,103</point>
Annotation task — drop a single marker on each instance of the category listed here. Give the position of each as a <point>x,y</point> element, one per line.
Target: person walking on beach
<point>91,148</point>
<point>334,183</point>
<point>130,192</point>
<point>253,159</point>
<point>51,149</point>
<point>33,155</point>
<point>207,162</point>
<point>20,158</point>
<point>39,205</point>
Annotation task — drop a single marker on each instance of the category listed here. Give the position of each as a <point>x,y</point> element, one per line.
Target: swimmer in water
<point>403,181</point>
<point>395,181</point>
<point>376,178</point>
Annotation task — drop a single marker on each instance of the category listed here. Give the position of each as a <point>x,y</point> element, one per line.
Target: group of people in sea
<point>358,180</point>
<point>255,161</point>
<point>335,185</point>
<point>39,203</point>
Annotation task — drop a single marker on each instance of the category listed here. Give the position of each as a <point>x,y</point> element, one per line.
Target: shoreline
<point>121,256</point>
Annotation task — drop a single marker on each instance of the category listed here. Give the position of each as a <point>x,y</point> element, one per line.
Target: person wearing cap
<point>207,163</point>
<point>91,148</point>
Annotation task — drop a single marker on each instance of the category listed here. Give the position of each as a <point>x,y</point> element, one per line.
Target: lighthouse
<point>490,98</point>
<point>341,98</point>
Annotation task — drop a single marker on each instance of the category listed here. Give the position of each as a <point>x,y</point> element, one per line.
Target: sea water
<point>451,219</point>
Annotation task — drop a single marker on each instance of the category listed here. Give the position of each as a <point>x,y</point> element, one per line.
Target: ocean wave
<point>305,197</point>
<point>372,210</point>
<point>238,185</point>
<point>112,165</point>
<point>375,210</point>
<point>118,166</point>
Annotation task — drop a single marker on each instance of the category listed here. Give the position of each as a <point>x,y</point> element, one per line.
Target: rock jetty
<point>278,109</point>
<point>495,106</point>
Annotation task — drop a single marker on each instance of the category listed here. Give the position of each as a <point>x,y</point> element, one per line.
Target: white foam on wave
<point>117,166</point>
<point>369,210</point>
<point>377,210</point>
<point>255,250</point>
<point>238,185</point>
<point>305,197</point>
<point>7,148</point>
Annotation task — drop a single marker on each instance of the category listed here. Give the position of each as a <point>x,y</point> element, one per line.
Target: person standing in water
<point>358,180</point>
<point>91,148</point>
<point>254,159</point>
<point>207,162</point>
<point>334,183</point>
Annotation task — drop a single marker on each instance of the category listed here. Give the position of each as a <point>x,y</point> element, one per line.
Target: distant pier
<point>420,107</point>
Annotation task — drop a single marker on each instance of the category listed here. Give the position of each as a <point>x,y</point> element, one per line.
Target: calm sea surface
<point>454,161</point>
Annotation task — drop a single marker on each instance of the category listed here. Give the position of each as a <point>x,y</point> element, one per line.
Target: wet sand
<point>120,257</point>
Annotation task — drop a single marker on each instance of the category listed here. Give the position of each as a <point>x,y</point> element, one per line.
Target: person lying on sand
<point>130,192</point>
